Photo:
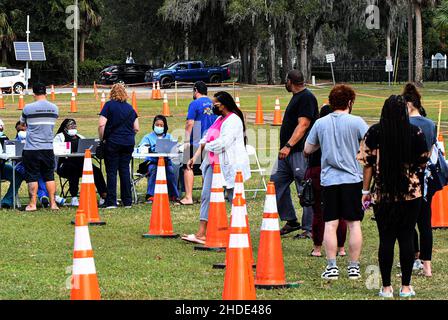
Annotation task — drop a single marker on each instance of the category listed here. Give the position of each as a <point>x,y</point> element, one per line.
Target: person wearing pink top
<point>224,143</point>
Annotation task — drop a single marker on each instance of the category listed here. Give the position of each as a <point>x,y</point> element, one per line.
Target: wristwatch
<point>287,145</point>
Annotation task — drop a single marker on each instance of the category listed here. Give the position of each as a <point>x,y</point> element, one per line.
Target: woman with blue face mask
<point>160,131</point>
<point>72,168</point>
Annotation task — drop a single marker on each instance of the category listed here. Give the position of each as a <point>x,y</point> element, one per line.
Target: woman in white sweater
<point>224,143</point>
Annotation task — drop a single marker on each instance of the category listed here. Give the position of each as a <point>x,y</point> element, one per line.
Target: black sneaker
<point>330,273</point>
<point>290,227</point>
<point>45,202</point>
<point>354,272</point>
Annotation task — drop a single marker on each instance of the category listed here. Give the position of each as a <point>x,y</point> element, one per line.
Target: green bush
<point>89,70</point>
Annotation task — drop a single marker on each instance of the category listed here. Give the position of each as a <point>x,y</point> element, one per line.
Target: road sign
<point>330,58</point>
<point>30,51</point>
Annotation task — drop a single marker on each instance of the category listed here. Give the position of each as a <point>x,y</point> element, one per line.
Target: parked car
<point>187,71</point>
<point>12,78</point>
<point>124,73</point>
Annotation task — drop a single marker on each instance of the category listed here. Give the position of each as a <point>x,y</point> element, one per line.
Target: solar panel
<point>30,51</point>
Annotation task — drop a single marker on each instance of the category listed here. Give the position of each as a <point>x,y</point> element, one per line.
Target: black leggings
<point>425,231</point>
<point>72,171</point>
<point>396,221</point>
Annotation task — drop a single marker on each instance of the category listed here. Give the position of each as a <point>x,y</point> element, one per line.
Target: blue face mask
<point>159,130</point>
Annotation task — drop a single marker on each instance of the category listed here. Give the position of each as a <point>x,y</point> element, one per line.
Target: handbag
<point>100,152</point>
<point>306,193</point>
<point>436,175</point>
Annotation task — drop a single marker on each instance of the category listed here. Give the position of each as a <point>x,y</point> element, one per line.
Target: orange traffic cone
<point>158,92</point>
<point>270,268</point>
<point>160,225</point>
<point>73,104</point>
<point>239,279</point>
<point>259,119</point>
<point>277,114</point>
<point>87,198</point>
<point>166,106</point>
<point>84,282</point>
<point>95,90</point>
<point>153,91</point>
<point>134,101</point>
<point>2,102</point>
<point>21,101</point>
<point>103,101</point>
<point>439,208</point>
<point>53,96</point>
<point>217,236</point>
<point>237,102</point>
<point>239,190</point>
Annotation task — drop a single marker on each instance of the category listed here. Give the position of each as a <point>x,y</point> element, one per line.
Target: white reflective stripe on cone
<point>270,204</point>
<point>277,107</point>
<point>161,174</point>
<point>88,178</point>
<point>82,239</point>
<point>217,197</point>
<point>87,164</point>
<point>84,266</point>
<point>238,217</point>
<point>217,181</point>
<point>270,224</point>
<point>239,189</point>
<point>238,241</point>
<point>161,189</point>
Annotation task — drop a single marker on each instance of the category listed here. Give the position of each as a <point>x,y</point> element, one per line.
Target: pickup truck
<point>187,71</point>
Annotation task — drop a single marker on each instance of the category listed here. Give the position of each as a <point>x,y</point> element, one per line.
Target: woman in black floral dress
<point>394,153</point>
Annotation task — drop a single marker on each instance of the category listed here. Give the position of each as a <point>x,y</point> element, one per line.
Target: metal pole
<point>75,44</point>
<point>332,73</point>
<point>175,85</point>
<point>28,42</point>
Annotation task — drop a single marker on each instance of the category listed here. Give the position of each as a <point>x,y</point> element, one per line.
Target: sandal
<point>180,203</point>
<point>287,228</point>
<point>192,238</point>
<point>315,255</point>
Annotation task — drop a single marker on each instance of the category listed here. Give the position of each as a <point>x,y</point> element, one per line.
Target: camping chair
<point>258,170</point>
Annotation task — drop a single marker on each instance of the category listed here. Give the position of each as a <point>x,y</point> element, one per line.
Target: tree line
<point>269,37</point>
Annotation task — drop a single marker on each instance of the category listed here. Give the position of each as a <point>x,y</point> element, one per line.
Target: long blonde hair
<point>118,93</point>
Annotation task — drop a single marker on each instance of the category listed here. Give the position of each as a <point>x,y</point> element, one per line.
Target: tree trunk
<point>388,53</point>
<point>244,53</point>
<point>310,47</point>
<point>271,57</point>
<point>286,54</point>
<point>253,63</point>
<point>186,43</point>
<point>418,46</point>
<point>410,42</point>
<point>303,56</point>
<point>82,46</point>
<point>4,55</point>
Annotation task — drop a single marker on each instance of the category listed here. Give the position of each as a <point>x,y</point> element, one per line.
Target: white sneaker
<point>418,265</point>
<point>101,202</point>
<point>388,295</point>
<point>75,202</point>
<point>330,273</point>
<point>60,201</point>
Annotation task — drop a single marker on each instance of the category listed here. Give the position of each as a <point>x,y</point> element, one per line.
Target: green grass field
<point>36,249</point>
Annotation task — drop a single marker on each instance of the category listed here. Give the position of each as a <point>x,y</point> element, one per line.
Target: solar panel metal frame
<point>30,51</point>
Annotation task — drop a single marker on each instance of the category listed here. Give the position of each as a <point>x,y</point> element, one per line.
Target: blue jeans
<point>207,174</point>
<point>6,174</point>
<point>171,179</point>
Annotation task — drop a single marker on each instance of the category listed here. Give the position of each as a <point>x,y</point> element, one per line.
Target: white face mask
<point>159,130</point>
<point>72,132</point>
<point>22,135</point>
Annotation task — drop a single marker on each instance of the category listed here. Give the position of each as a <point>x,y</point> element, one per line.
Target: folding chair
<point>259,170</point>
<point>64,187</point>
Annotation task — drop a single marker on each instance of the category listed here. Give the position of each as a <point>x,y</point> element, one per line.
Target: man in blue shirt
<point>200,117</point>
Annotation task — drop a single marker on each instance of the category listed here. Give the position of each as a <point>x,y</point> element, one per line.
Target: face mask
<point>21,135</point>
<point>2,133</point>
<point>72,132</point>
<point>159,130</point>
<point>216,111</point>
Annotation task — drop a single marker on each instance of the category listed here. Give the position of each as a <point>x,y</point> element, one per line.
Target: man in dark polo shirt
<point>38,157</point>
<point>298,119</point>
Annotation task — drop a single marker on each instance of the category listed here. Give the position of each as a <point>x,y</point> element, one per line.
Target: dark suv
<point>124,73</point>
